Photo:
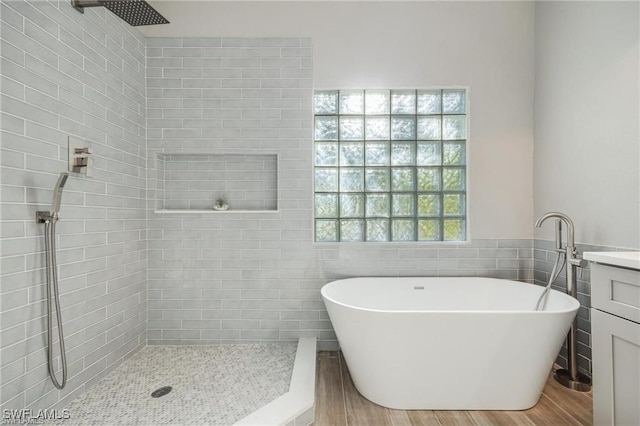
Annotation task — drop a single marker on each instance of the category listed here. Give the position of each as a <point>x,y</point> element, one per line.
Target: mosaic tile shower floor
<point>212,385</point>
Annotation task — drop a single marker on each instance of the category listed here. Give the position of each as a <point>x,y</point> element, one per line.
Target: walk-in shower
<point>133,12</point>
<point>49,218</point>
<point>569,377</point>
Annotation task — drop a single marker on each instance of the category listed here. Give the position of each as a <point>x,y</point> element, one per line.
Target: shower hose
<point>52,287</point>
<point>557,268</point>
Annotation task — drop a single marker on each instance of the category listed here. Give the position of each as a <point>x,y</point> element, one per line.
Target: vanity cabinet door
<point>616,370</point>
<point>616,291</point>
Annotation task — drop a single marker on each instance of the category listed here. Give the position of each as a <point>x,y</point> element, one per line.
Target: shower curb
<point>296,407</point>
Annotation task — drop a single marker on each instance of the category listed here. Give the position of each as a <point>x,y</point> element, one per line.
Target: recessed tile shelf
<point>191,183</point>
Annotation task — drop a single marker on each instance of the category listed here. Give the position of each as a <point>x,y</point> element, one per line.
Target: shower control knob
<point>80,162</point>
<point>80,153</point>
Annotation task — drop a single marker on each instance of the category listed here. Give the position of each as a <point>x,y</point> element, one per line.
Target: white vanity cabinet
<point>615,333</point>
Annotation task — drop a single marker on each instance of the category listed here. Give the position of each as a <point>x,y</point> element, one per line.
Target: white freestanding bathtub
<point>448,343</point>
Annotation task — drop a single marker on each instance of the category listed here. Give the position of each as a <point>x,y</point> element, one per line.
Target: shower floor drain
<point>161,392</point>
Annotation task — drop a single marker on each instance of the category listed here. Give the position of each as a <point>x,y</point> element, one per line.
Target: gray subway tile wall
<point>66,74</point>
<point>131,276</point>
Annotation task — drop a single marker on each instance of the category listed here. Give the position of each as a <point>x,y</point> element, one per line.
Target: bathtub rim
<point>326,298</point>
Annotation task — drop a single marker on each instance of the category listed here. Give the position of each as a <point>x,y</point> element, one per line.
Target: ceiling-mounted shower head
<point>133,12</point>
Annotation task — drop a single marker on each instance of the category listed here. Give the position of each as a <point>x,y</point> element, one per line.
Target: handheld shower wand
<point>57,194</point>
<point>49,218</point>
<point>43,216</point>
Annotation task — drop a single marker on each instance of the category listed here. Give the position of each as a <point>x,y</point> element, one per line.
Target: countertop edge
<point>624,259</point>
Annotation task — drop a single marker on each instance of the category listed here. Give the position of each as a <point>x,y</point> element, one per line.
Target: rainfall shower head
<point>133,12</point>
<point>57,193</point>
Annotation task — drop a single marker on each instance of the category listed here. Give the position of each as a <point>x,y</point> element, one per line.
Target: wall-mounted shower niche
<point>191,183</point>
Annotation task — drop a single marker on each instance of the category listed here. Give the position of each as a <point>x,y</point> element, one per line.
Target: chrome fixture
<point>80,160</point>
<point>49,218</point>
<point>57,193</point>
<point>569,377</point>
<point>134,12</point>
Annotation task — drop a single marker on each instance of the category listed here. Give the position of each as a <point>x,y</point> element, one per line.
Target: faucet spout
<point>566,219</point>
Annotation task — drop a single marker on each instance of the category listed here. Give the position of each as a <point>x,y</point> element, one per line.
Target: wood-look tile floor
<point>339,403</point>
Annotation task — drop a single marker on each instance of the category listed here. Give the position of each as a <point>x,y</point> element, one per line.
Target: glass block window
<point>390,165</point>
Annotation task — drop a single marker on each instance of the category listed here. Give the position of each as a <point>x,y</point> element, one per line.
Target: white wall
<point>587,140</point>
<point>487,46</point>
